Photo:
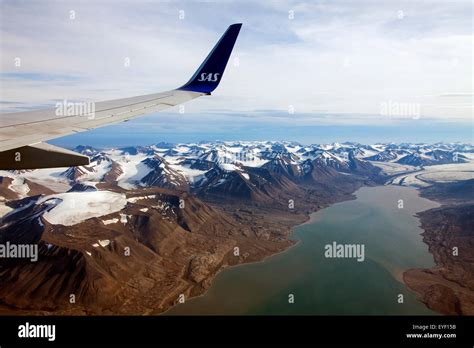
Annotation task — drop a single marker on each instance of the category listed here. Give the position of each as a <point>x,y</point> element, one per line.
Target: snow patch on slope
<point>19,186</point>
<point>191,175</point>
<point>75,207</point>
<point>133,169</point>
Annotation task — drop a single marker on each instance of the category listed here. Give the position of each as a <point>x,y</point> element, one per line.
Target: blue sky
<point>334,64</point>
<point>148,131</point>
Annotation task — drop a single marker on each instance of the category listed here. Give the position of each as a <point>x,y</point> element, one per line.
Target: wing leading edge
<point>22,134</point>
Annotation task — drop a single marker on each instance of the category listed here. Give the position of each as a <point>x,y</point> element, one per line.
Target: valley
<point>142,227</point>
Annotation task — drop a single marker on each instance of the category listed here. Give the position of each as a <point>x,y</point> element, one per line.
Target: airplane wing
<point>22,134</point>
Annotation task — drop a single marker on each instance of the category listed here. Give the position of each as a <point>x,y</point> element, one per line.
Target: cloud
<point>338,57</point>
<point>36,76</point>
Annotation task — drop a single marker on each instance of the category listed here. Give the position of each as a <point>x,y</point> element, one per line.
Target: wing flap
<point>40,155</point>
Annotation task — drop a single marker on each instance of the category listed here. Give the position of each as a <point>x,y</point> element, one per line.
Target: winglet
<point>209,74</point>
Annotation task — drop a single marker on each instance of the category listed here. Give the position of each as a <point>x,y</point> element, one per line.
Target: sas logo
<point>210,77</point>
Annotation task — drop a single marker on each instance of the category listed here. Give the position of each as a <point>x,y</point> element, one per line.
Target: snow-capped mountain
<point>383,156</point>
<point>240,168</point>
<point>182,209</point>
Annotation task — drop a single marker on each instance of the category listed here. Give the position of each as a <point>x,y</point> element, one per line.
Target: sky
<point>317,71</point>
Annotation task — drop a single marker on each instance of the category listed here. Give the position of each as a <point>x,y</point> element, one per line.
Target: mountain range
<point>244,170</point>
<point>180,209</point>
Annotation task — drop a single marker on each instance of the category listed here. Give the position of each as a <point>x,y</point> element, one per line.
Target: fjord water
<point>325,286</point>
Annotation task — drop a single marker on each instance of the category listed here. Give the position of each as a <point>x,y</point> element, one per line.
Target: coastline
<point>273,227</point>
<point>203,293</point>
<point>447,287</point>
<point>309,219</point>
<point>397,274</point>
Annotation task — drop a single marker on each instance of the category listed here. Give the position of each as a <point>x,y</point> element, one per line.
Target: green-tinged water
<point>320,285</point>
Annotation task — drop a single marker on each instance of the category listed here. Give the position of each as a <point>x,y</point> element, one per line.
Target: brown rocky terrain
<point>173,250</point>
<point>448,288</point>
<point>141,258</point>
